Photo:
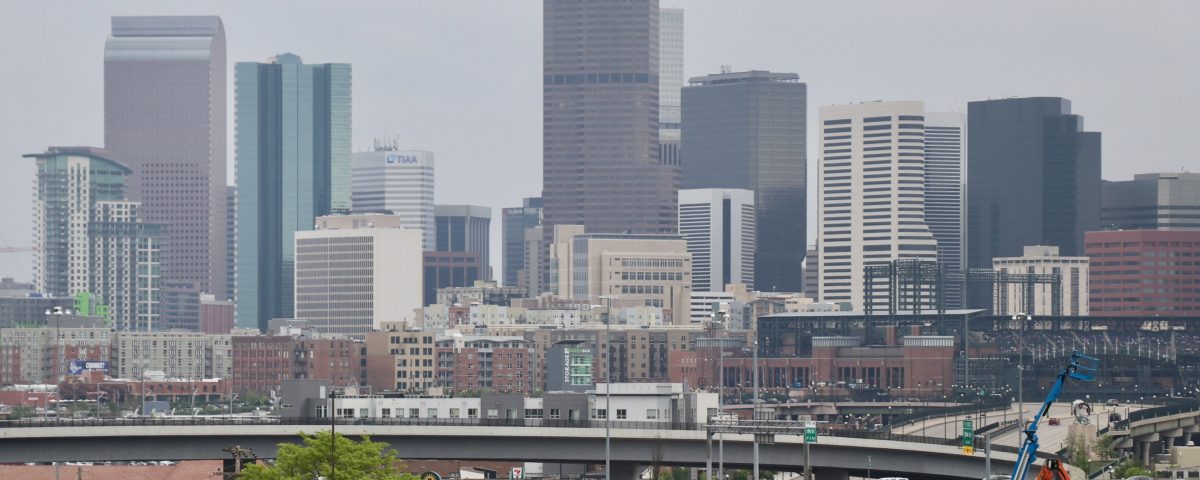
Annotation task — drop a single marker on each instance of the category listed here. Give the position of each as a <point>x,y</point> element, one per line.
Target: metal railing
<point>321,423</point>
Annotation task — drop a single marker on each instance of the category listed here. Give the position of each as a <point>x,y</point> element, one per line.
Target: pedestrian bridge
<point>634,444</point>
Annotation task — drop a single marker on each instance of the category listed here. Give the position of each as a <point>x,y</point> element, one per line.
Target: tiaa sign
<point>396,159</point>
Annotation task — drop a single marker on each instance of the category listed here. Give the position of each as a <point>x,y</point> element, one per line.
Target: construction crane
<point>1082,368</point>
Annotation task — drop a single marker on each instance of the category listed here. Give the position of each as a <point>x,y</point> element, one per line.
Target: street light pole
<point>754,375</point>
<point>607,387</point>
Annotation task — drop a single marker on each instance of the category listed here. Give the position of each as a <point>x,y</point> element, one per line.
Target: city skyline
<point>1099,53</point>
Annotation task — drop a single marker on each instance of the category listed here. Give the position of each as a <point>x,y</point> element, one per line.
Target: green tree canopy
<point>365,460</point>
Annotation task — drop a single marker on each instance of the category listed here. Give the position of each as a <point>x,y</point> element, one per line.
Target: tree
<point>1104,448</point>
<point>19,412</point>
<point>1077,452</point>
<point>365,460</point>
<point>1130,468</point>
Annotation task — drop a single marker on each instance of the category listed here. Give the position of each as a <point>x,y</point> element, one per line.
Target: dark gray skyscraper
<point>1033,178</point>
<point>293,165</point>
<point>515,221</point>
<point>1152,201</point>
<point>465,228</point>
<point>600,124</point>
<point>164,118</point>
<point>747,130</point>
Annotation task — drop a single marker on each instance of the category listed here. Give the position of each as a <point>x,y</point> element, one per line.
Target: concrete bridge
<point>833,457</point>
<point>1152,430</point>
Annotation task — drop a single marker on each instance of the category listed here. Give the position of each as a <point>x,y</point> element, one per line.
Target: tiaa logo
<point>394,159</point>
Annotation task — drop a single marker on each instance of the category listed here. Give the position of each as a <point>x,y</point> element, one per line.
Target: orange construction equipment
<point>1053,470</point>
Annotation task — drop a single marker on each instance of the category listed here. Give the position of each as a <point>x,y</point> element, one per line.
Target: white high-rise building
<point>719,226</point>
<point>356,272</point>
<point>1042,260</point>
<point>871,200</point>
<point>945,192</point>
<point>399,182</point>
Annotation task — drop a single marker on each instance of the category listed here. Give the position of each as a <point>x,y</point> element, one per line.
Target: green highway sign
<point>968,433</point>
<point>810,433</point>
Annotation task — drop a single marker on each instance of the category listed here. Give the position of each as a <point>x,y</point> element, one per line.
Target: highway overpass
<point>833,457</point>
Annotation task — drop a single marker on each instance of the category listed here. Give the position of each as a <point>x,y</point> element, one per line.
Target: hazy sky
<point>463,78</point>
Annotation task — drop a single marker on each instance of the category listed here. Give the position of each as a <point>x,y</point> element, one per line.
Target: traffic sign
<point>810,432</point>
<point>968,434</point>
<point>517,472</point>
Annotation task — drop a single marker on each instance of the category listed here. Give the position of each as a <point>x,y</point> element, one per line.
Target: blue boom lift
<point>1083,368</point>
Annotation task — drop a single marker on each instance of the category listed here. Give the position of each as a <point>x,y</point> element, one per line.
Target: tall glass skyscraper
<point>293,165</point>
<point>748,130</point>
<point>1033,178</point>
<point>164,118</point>
<point>600,119</point>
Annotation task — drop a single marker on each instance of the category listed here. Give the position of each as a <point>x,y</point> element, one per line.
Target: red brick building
<point>498,364</point>
<point>1144,272</point>
<point>915,366</point>
<point>262,363</point>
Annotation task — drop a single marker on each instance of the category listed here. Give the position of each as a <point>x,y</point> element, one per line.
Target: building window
<point>651,414</point>
<point>554,414</point>
<point>472,413</point>
<point>454,412</point>
<point>431,412</point>
<point>621,415</point>
<point>386,413</point>
<point>414,413</point>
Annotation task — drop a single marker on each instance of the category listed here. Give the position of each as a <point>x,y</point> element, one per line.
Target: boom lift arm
<point>1081,367</point>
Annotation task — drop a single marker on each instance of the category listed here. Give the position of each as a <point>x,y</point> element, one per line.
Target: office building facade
<point>945,164</point>
<point>533,278</point>
<point>670,84</point>
<point>871,201</point>
<point>1152,201</point>
<point>356,272</point>
<point>627,270</point>
<point>1043,260</point>
<point>89,240</point>
<point>600,118</point>
<point>465,228</point>
<point>1033,178</point>
<point>748,130</point>
<point>1144,273</point>
<point>515,221</point>
<point>293,162</point>
<point>449,269</point>
<point>164,118</point>
<point>399,182</point>
<point>718,225</point>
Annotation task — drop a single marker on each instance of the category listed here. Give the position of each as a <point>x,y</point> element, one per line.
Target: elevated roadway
<point>833,458</point>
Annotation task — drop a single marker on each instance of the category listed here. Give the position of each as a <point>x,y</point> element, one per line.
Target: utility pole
<point>721,404</point>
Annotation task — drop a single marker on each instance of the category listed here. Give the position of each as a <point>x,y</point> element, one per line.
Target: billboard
<point>79,366</point>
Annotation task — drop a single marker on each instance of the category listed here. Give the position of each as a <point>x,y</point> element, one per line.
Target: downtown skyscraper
<point>1033,178</point>
<point>747,130</point>
<point>945,164</point>
<point>293,165</point>
<point>600,92</point>
<point>164,119</point>
<point>871,200</point>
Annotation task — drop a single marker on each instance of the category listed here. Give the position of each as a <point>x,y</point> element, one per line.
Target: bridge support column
<point>831,474</point>
<point>1145,453</point>
<point>625,470</point>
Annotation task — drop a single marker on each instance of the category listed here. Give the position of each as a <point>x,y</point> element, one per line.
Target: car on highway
<point>1053,422</point>
<point>1112,402</point>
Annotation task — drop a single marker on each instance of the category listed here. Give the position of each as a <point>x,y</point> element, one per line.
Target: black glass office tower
<point>1033,178</point>
<point>748,130</point>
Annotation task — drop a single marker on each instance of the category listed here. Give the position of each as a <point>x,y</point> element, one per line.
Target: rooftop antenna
<point>726,69</point>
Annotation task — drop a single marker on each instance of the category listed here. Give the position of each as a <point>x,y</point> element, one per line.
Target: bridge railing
<point>929,414</point>
<point>1165,410</point>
